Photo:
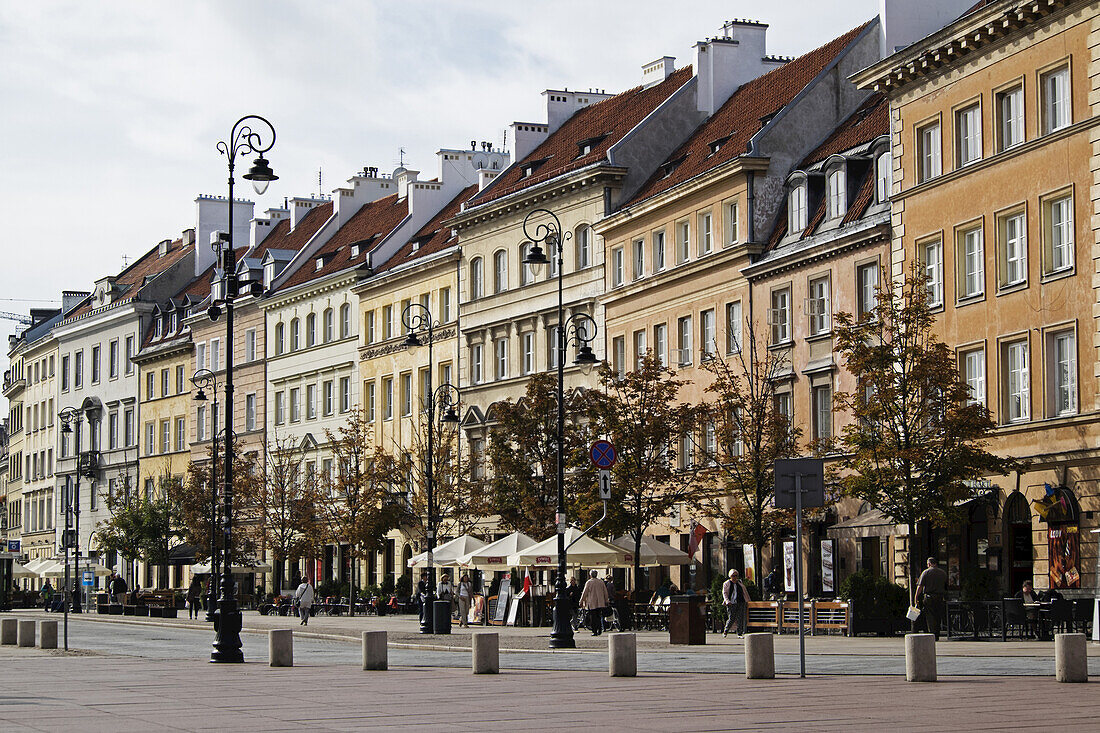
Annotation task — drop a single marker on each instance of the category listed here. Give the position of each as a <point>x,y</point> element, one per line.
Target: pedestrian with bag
<point>931,586</point>
<point>194,597</point>
<point>735,598</point>
<point>465,596</point>
<point>594,600</point>
<point>304,596</point>
<point>47,595</point>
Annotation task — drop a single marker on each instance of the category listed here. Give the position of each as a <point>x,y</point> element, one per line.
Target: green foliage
<point>873,597</point>
<point>980,585</point>
<point>714,600</point>
<point>331,588</point>
<point>404,584</point>
<point>387,585</point>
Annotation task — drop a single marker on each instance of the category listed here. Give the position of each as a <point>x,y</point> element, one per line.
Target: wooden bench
<point>782,616</point>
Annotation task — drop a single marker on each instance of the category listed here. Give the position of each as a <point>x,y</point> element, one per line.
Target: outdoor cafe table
<point>985,620</point>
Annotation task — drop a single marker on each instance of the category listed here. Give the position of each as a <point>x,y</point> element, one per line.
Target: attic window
<point>716,145</point>
<point>668,167</point>
<point>354,251</point>
<point>320,263</point>
<point>534,165</point>
<point>587,145</point>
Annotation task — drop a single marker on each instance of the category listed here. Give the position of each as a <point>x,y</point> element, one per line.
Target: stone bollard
<point>622,655</point>
<point>26,632</point>
<point>9,631</point>
<point>920,658</point>
<point>280,648</point>
<point>47,634</point>
<point>1071,662</point>
<point>486,656</point>
<point>759,656</point>
<point>375,651</point>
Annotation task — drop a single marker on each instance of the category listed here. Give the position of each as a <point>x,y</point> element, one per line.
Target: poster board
<point>788,566</point>
<point>828,566</point>
<point>750,563</point>
<point>513,610</point>
<point>504,595</point>
<point>1064,547</point>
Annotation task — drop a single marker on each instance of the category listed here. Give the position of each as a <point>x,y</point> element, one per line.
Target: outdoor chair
<point>1015,618</point>
<point>1082,615</point>
<point>1061,614</point>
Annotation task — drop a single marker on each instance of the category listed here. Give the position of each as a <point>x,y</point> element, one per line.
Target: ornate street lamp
<point>205,379</point>
<point>70,417</point>
<point>579,329</point>
<point>244,140</point>
<point>418,318</point>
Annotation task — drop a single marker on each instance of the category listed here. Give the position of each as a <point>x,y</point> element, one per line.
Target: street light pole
<point>69,417</point>
<point>203,379</point>
<point>583,332</point>
<point>243,139</point>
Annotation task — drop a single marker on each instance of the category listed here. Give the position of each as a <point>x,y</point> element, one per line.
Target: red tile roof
<point>742,116</point>
<point>133,277</point>
<point>604,123</point>
<point>371,223</point>
<point>280,236</point>
<point>433,236</point>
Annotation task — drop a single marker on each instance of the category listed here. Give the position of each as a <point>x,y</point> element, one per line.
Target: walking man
<point>594,600</point>
<point>304,596</point>
<point>735,598</point>
<point>932,585</point>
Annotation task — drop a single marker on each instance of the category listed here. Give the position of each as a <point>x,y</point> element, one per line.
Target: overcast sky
<point>111,111</point>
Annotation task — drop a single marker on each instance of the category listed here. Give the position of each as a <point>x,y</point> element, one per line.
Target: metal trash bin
<point>442,617</point>
<point>687,620</point>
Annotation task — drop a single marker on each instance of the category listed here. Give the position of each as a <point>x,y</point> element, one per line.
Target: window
<point>1058,247</point>
<point>279,341</point>
<point>500,358</point>
<point>280,410</point>
<point>817,306</point>
<point>733,327</point>
<point>783,406</point>
<point>659,250</point>
<point>973,369</point>
<point>250,345</point>
<point>683,340</point>
<point>823,412</point>
<point>476,375</point>
<point>295,404</point>
<point>95,364</point>
<point>295,334</point>
<point>165,382</point>
<point>128,427</point>
<point>1012,247</point>
<point>970,255</point>
<point>684,457</point>
<point>616,267</point>
<point>200,355</point>
<point>796,209</point>
<point>370,401</point>
<point>526,272</point>
<point>445,304</point>
<point>639,348</point>
<point>1062,357</point>
<point>660,343</point>
<point>683,242</point>
<point>706,235</point>
<point>1010,118</point>
<point>883,173</point>
<point>327,397</point>
<point>707,330</point>
<point>500,271</point>
<point>345,320</point>
<point>445,373</point>
<point>552,255</point>
<point>406,394</point>
<point>733,223</point>
<point>584,246</point>
<point>638,249</point>
<point>553,346</point>
<point>311,401</point>
<point>780,316</point>
<point>129,354</point>
<point>181,379</point>
<point>369,328</point>
<point>837,193</point>
<point>387,322</point>
<point>328,325</point>
<point>1016,382</point>
<point>311,329</point>
<point>618,355</point>
<point>345,394</point>
<point>867,289</point>
<point>150,385</point>
<point>215,354</point>
<point>528,352</point>
<point>933,271</point>
<point>250,411</point>
<point>968,135</point>
<point>112,359</point>
<point>65,372</point>
<point>928,152</point>
<point>1054,90</point>
<point>477,278</point>
<point>181,434</point>
<point>150,439</point>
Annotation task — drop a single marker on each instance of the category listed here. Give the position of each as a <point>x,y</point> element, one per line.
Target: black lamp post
<point>69,417</point>
<point>244,140</point>
<point>205,379</point>
<point>418,318</point>
<point>579,329</point>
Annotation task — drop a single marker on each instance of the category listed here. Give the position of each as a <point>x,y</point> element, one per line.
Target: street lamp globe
<point>535,259</point>
<point>261,175</point>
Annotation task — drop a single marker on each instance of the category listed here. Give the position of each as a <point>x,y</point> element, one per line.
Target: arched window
<point>883,164</point>
<point>500,271</point>
<point>345,320</point>
<point>311,329</point>
<point>583,241</point>
<point>526,272</point>
<point>477,278</point>
<point>329,325</point>
<point>837,191</point>
<point>294,335</point>
<point>279,342</point>
<point>796,209</point>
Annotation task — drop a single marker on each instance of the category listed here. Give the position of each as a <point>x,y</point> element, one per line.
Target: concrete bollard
<point>486,657</point>
<point>920,658</point>
<point>47,634</point>
<point>622,655</point>
<point>375,651</point>
<point>1071,662</point>
<point>280,648</point>
<point>759,656</point>
<point>26,632</point>
<point>9,631</point>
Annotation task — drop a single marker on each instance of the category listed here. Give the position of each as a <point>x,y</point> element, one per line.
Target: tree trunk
<point>280,569</point>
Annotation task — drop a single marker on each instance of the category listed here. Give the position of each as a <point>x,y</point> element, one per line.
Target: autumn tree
<point>195,496</point>
<point>123,532</point>
<point>916,441</point>
<point>654,434</point>
<point>520,481</point>
<point>364,498</point>
<point>288,504</point>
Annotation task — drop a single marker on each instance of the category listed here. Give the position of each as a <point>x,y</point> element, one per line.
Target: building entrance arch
<point>1019,541</point>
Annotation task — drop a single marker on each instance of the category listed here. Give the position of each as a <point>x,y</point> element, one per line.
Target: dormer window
<point>354,251</point>
<point>883,164</point>
<point>588,145</point>
<point>716,145</point>
<point>269,274</point>
<point>837,193</point>
<point>668,167</point>
<point>320,263</point>
<point>174,323</point>
<point>157,327</point>
<point>796,208</point>
<point>530,168</point>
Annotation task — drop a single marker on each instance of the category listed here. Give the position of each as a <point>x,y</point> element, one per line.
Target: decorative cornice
<point>396,345</point>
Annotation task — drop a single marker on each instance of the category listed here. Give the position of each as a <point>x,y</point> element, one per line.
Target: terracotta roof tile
<point>433,236</point>
<point>741,117</point>
<point>280,236</point>
<point>870,120</point>
<point>604,123</point>
<point>133,277</point>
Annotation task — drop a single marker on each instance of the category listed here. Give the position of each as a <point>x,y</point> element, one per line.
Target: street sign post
<point>89,579</point>
<point>799,482</point>
<point>605,484</point>
<point>603,454</point>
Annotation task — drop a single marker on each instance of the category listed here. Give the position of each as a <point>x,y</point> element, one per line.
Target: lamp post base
<point>227,640</point>
<point>562,635</point>
<point>427,610</point>
<point>211,609</point>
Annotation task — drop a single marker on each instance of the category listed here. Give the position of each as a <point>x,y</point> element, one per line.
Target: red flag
<point>527,582</point>
<point>698,532</point>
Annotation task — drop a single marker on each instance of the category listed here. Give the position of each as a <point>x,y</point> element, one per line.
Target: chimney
<point>657,71</point>
<point>261,226</point>
<point>404,177</point>
<point>71,299</point>
<point>527,136</point>
<point>212,214</point>
<point>461,168</point>
<point>561,105</point>
<point>302,205</point>
<point>904,22</point>
<point>362,188</point>
<point>485,177</point>
<point>163,248</point>
<point>724,63</point>
<point>188,237</point>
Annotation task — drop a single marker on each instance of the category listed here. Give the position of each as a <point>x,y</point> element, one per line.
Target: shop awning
<point>872,523</point>
<point>181,555</point>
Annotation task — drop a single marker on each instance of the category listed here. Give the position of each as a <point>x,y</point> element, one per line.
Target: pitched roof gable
<point>131,279</point>
<point>433,237</point>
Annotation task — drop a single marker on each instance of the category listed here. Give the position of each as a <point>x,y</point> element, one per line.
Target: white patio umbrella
<point>654,552</point>
<point>586,551</point>
<point>35,565</point>
<point>494,556</point>
<point>21,571</point>
<point>447,554</point>
<point>57,570</point>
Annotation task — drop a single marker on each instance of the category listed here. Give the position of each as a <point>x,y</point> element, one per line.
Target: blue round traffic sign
<point>603,454</point>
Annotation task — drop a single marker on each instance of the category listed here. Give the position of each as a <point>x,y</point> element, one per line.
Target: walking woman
<point>194,597</point>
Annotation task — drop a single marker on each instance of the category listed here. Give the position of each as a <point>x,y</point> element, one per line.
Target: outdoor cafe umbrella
<point>57,570</point>
<point>22,571</point>
<point>35,565</point>
<point>448,553</point>
<point>585,551</point>
<point>494,556</point>
<point>654,552</point>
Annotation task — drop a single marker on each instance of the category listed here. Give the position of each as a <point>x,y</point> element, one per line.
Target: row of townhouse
<point>744,196</point>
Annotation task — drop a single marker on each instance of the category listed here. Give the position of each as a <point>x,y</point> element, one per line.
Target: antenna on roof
<point>401,157</point>
<point>320,185</point>
<point>125,262</point>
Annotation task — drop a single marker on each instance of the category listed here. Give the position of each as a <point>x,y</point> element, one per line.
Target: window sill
<point>970,299</point>
<point>823,336</point>
<point>786,344</point>
<point>1058,274</point>
<point>1011,288</point>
